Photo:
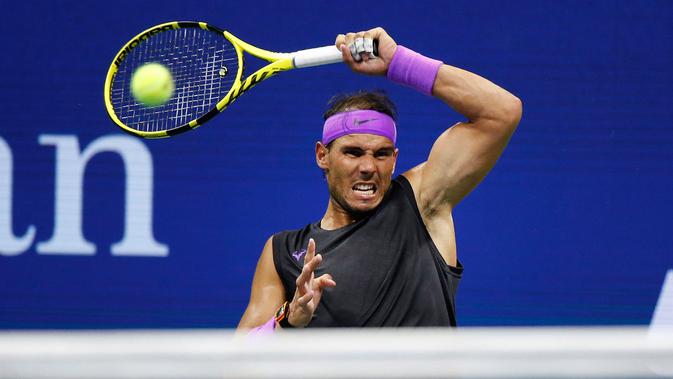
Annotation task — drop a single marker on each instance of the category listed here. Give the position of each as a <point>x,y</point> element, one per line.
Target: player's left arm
<point>463,154</point>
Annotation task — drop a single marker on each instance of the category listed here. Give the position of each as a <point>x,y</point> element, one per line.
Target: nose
<point>367,166</point>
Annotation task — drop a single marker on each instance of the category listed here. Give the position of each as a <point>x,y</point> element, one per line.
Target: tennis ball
<point>152,84</point>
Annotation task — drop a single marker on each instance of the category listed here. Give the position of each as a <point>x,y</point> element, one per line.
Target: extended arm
<point>268,293</point>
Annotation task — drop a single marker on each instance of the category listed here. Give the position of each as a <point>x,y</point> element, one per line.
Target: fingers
<point>310,251</point>
<point>368,46</point>
<point>377,33</point>
<point>310,263</point>
<point>307,273</point>
<point>341,44</point>
<point>357,47</point>
<point>360,45</point>
<point>318,284</point>
<point>340,40</point>
<point>346,55</point>
<point>350,37</point>
<point>309,289</point>
<point>357,51</point>
<point>303,300</point>
<point>323,281</point>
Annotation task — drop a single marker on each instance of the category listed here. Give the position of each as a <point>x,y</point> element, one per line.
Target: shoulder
<point>291,237</point>
<point>413,178</point>
<point>266,260</point>
<point>287,242</point>
<point>429,203</point>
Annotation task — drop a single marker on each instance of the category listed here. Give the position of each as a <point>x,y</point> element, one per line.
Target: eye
<point>381,154</point>
<point>353,153</point>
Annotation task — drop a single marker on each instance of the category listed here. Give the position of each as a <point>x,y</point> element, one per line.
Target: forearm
<point>267,328</point>
<point>255,316</point>
<point>475,97</point>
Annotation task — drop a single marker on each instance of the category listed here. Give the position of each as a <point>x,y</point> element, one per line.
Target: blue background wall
<point>573,226</point>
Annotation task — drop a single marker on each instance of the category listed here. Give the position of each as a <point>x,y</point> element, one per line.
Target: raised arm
<point>463,154</point>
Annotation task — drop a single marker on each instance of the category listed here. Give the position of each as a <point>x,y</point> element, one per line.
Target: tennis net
<point>629,352</point>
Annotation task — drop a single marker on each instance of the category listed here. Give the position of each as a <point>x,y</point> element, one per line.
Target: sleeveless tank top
<point>387,269</point>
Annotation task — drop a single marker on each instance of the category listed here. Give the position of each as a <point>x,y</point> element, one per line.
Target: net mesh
<point>203,65</point>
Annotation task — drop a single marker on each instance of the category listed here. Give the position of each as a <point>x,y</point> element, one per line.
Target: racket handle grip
<point>316,57</point>
<point>320,56</point>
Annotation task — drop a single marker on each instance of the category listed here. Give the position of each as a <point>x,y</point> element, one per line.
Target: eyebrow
<point>386,149</point>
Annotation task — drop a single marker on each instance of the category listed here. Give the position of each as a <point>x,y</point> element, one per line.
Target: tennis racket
<point>207,66</point>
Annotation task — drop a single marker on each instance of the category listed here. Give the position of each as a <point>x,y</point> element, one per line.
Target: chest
<point>384,276</point>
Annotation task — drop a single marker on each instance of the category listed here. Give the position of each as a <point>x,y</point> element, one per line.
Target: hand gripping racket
<point>207,66</point>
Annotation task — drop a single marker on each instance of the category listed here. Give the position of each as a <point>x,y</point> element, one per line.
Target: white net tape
<point>383,353</point>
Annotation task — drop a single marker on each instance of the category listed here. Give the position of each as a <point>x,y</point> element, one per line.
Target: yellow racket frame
<point>279,62</point>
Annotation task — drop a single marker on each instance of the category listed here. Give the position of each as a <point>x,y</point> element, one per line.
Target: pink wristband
<point>413,69</point>
<point>267,328</point>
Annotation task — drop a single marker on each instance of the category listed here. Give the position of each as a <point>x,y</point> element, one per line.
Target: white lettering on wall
<point>9,244</point>
<point>138,237</point>
<point>71,163</point>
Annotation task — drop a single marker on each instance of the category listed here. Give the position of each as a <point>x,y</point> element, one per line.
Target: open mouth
<point>364,190</point>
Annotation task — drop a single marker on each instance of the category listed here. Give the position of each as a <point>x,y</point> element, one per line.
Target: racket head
<point>206,68</point>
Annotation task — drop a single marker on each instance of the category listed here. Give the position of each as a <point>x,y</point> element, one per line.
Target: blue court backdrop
<point>99,229</point>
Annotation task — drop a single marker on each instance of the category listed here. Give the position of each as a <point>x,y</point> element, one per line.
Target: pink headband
<point>359,122</point>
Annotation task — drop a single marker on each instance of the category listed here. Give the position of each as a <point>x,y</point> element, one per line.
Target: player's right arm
<point>267,293</point>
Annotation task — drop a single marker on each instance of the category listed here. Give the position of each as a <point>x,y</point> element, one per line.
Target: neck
<point>336,217</point>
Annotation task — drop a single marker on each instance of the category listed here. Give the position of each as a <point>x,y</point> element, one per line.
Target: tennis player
<point>388,243</point>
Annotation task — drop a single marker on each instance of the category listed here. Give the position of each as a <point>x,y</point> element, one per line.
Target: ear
<point>395,154</point>
<point>321,155</point>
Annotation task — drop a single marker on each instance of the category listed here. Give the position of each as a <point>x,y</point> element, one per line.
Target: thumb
<point>346,55</point>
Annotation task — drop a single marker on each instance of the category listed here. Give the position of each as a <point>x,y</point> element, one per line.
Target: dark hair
<point>375,100</point>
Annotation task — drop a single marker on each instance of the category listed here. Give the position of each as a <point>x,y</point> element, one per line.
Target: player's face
<point>359,168</point>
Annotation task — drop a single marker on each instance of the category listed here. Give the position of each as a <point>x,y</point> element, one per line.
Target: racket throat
<point>253,80</point>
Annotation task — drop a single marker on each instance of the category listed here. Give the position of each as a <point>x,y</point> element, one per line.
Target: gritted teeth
<point>370,188</point>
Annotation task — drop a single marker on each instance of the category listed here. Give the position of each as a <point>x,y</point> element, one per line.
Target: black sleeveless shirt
<point>387,269</point>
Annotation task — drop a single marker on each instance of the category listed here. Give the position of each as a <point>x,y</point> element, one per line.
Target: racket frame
<point>278,62</point>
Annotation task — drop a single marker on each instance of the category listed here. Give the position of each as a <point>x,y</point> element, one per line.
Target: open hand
<point>309,289</point>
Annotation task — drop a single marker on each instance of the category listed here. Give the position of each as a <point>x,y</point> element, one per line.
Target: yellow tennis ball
<point>152,84</point>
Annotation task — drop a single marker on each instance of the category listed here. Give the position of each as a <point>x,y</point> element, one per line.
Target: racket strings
<point>203,65</point>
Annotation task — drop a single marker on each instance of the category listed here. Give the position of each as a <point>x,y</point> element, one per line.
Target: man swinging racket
<point>388,243</point>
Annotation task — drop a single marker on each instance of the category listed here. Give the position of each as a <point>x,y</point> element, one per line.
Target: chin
<point>360,208</point>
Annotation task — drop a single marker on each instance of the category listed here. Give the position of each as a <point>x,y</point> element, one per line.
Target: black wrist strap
<point>283,315</point>
<point>285,324</point>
